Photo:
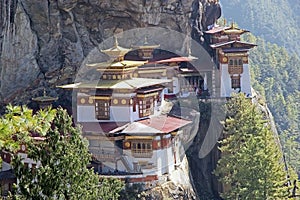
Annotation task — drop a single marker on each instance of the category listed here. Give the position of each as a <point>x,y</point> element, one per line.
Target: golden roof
<point>234,30</point>
<point>116,51</point>
<point>145,45</point>
<point>44,98</point>
<point>117,64</point>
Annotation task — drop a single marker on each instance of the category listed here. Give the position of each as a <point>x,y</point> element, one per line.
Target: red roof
<point>156,124</point>
<point>174,59</point>
<point>165,123</point>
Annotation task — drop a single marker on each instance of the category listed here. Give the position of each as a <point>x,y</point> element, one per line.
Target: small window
<point>102,109</point>
<point>235,62</point>
<point>235,66</point>
<point>236,82</point>
<point>141,148</point>
<point>149,146</point>
<point>240,62</point>
<point>146,107</point>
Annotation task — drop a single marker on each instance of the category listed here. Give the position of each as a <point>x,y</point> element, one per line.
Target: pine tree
<point>63,172</point>
<point>251,165</point>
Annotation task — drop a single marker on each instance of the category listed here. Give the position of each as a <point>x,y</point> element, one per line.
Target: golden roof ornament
<point>190,56</point>
<point>145,49</point>
<point>145,45</point>
<point>116,52</point>
<point>116,65</point>
<point>44,101</point>
<point>234,30</point>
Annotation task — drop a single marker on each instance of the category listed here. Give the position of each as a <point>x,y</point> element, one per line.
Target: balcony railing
<point>142,154</point>
<point>107,154</point>
<point>235,69</point>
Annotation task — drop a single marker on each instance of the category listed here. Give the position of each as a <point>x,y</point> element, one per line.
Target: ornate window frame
<point>235,65</point>
<point>102,109</point>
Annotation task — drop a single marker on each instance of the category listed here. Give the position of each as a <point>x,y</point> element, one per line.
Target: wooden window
<point>134,105</point>
<point>235,82</point>
<point>102,109</point>
<point>141,148</point>
<point>146,106</point>
<point>235,66</point>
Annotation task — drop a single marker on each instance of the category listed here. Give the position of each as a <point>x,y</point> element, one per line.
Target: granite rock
<point>39,40</point>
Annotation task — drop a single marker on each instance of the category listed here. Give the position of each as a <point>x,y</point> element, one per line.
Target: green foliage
<point>251,166</point>
<point>275,21</point>
<point>62,159</point>
<point>275,75</point>
<point>275,70</point>
<point>291,148</point>
<point>110,188</point>
<point>19,122</point>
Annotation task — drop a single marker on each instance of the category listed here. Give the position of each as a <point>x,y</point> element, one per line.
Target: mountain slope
<point>276,21</point>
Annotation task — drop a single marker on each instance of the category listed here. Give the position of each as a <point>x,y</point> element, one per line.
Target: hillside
<point>274,61</point>
<point>275,21</point>
<point>275,75</point>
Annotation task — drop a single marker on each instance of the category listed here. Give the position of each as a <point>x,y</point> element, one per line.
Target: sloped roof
<point>137,127</point>
<point>116,50</point>
<point>226,30</point>
<point>145,44</point>
<point>216,45</point>
<point>133,83</point>
<point>156,124</point>
<point>123,63</point>
<point>175,59</point>
<point>217,29</point>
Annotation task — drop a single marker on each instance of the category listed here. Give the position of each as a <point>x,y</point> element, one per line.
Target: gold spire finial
<point>233,25</point>
<point>146,39</point>
<point>189,51</point>
<point>44,92</point>
<point>116,41</point>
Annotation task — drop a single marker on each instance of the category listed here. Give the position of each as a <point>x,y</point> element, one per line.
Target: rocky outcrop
<point>177,186</point>
<point>203,163</point>
<point>43,43</point>
<point>203,154</point>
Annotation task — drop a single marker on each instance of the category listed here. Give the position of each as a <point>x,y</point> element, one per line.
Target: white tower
<point>232,60</point>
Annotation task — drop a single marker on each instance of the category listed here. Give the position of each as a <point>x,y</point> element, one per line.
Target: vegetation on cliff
<point>274,62</point>
<point>63,156</point>
<point>17,124</point>
<point>251,166</point>
<point>275,75</point>
<point>275,21</point>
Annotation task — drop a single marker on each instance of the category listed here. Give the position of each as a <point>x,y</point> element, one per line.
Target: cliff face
<point>43,43</point>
